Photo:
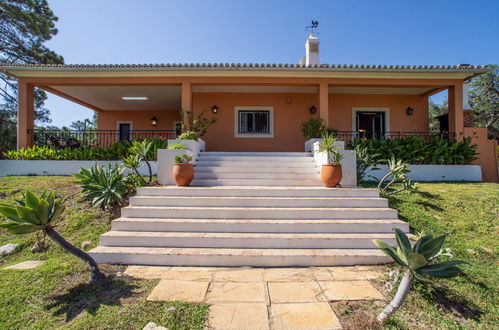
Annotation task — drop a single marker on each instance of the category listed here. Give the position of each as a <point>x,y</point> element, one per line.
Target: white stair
<point>240,218</point>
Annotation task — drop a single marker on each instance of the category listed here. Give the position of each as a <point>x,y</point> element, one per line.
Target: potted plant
<point>183,171</point>
<point>331,172</point>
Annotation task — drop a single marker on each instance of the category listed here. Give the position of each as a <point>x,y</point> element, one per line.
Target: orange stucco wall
<point>141,119</point>
<point>487,152</point>
<point>290,110</point>
<point>340,110</point>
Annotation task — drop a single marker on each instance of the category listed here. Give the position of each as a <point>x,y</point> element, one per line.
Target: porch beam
<point>433,91</point>
<point>70,98</point>
<point>25,114</point>
<point>456,114</point>
<point>324,103</point>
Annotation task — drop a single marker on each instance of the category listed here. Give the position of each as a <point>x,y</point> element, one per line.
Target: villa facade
<point>259,107</point>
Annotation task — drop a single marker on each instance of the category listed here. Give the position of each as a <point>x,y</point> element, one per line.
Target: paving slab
<point>225,292</point>
<point>350,290</point>
<point>288,275</point>
<point>238,316</point>
<point>285,292</point>
<point>201,274</point>
<point>344,273</point>
<point>171,290</point>
<point>318,315</point>
<point>238,275</point>
<point>146,272</point>
<point>29,264</point>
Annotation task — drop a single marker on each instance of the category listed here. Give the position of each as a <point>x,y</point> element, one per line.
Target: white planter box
<point>58,167</point>
<point>348,164</point>
<point>166,159</point>
<point>435,172</point>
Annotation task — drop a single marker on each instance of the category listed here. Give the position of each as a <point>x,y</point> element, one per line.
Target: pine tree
<point>24,27</point>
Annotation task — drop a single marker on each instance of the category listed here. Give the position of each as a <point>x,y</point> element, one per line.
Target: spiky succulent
<point>32,213</point>
<point>419,258</point>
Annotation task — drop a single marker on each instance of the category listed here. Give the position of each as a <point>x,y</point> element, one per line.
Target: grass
<point>468,212</point>
<point>57,294</point>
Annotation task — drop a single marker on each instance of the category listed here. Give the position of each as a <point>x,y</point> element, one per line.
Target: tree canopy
<point>484,99</point>
<point>25,25</point>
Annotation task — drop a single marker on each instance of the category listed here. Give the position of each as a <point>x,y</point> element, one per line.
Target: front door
<point>124,131</point>
<point>370,124</point>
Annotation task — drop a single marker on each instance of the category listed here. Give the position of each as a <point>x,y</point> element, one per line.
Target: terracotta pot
<point>183,174</point>
<point>331,175</point>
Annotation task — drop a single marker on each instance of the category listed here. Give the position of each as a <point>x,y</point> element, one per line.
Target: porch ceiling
<point>109,97</point>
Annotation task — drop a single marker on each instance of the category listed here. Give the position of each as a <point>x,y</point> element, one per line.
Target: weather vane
<point>313,27</point>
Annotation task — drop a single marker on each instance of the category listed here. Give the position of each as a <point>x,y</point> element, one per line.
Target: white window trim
<point>251,135</point>
<point>357,109</point>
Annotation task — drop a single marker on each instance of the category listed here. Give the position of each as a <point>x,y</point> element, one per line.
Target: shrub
<point>397,170</point>
<point>183,159</point>
<point>328,145</point>
<point>199,125</point>
<point>415,150</point>
<point>189,135</point>
<point>38,213</point>
<point>312,128</point>
<point>177,146</point>
<point>105,187</point>
<point>115,151</point>
<point>141,149</point>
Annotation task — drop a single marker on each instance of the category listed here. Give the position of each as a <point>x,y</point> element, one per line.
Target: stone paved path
<point>254,298</point>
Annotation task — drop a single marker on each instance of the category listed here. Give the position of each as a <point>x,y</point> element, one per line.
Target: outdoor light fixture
<point>154,121</point>
<point>409,111</point>
<point>313,110</point>
<point>134,98</point>
<point>214,109</point>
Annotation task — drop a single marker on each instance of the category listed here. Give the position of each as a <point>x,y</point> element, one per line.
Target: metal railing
<point>427,136</point>
<point>93,138</point>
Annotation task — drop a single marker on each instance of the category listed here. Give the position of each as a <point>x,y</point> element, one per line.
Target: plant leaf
<point>416,260</point>
<point>18,229</point>
<point>389,251</point>
<point>430,248</point>
<point>443,265</point>
<point>403,241</point>
<point>445,273</point>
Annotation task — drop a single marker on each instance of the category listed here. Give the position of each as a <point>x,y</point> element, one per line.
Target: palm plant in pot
<point>183,170</point>
<point>331,172</point>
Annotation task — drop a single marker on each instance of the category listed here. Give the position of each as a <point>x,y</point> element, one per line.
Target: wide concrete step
<point>262,191</point>
<point>260,225</point>
<point>256,182</point>
<point>257,212</point>
<point>208,201</point>
<point>237,257</point>
<point>256,154</point>
<point>274,159</point>
<point>253,164</point>
<point>257,169</point>
<point>257,175</point>
<point>244,240</point>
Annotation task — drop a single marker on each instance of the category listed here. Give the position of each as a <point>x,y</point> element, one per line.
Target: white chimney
<point>466,96</point>
<point>311,50</point>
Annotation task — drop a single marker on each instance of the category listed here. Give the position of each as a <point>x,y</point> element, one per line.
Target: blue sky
<point>271,31</point>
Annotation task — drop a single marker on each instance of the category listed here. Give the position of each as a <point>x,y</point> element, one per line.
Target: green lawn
<point>57,294</point>
<point>469,213</point>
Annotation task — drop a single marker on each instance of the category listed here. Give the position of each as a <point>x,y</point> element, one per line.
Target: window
<point>253,122</point>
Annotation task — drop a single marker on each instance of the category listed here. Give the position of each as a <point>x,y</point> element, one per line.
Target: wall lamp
<point>313,110</point>
<point>409,111</point>
<point>214,109</point>
<point>154,121</point>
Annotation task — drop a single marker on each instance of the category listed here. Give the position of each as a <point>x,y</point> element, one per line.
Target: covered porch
<point>253,114</point>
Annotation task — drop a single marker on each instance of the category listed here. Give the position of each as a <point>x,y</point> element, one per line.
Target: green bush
<point>312,128</point>
<point>189,135</point>
<point>417,151</point>
<point>116,151</point>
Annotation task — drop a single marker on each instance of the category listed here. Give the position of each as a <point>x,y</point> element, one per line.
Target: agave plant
<point>38,213</point>
<point>132,162</point>
<point>397,170</point>
<point>105,187</point>
<point>141,149</point>
<point>418,260</point>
